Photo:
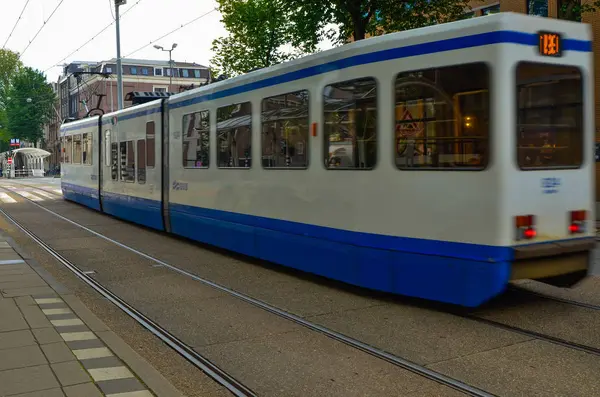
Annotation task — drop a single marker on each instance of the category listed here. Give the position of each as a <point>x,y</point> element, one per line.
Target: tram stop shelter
<point>27,162</point>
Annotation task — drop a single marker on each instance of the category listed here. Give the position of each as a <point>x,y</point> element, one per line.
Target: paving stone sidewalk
<point>51,345</point>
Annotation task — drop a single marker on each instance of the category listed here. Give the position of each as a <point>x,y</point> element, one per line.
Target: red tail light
<point>578,219</point>
<point>525,225</point>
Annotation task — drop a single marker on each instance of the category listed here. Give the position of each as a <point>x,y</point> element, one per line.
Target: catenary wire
<point>16,23</point>
<point>42,27</point>
<point>171,32</point>
<point>92,38</point>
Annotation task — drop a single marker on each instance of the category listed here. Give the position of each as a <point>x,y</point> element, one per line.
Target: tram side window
<point>87,148</point>
<point>76,149</point>
<point>141,161</point>
<point>350,109</point>
<point>68,149</point>
<point>114,163</point>
<point>550,116</point>
<point>234,136</point>
<point>127,162</point>
<point>442,118</point>
<point>107,148</point>
<point>285,130</point>
<point>195,142</point>
<point>150,144</point>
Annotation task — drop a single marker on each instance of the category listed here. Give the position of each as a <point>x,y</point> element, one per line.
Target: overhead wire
<point>42,27</point>
<point>93,37</point>
<point>171,32</point>
<point>16,23</point>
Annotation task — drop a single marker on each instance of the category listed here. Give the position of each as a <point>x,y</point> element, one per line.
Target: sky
<point>77,21</point>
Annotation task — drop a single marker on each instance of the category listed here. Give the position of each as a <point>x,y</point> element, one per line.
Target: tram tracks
<point>391,358</point>
<point>219,375</point>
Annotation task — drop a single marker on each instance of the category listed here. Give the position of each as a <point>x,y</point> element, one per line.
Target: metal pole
<point>171,66</point>
<point>118,3</point>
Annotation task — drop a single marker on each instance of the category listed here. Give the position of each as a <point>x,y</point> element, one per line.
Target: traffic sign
<point>10,160</point>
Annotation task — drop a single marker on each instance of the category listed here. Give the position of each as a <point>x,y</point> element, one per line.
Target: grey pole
<point>119,3</point>
<point>170,66</point>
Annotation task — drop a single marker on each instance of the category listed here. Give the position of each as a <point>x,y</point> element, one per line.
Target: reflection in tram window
<point>442,118</point>
<point>87,148</point>
<point>68,146</point>
<point>141,161</point>
<point>550,116</point>
<point>234,136</point>
<point>351,124</point>
<point>76,149</point>
<point>285,130</point>
<point>196,133</point>
<point>130,167</point>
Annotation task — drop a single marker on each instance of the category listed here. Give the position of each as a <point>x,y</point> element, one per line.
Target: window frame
<point>80,158</point>
<point>324,141</point>
<point>584,156</point>
<point>488,158</point>
<point>89,155</point>
<point>148,166</point>
<point>186,167</point>
<point>138,162</point>
<point>306,148</point>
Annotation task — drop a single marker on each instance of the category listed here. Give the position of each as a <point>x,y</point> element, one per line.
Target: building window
<point>167,71</point>
<point>108,70</point>
<point>133,70</point>
<point>158,72</point>
<point>285,130</point>
<point>160,89</point>
<point>442,118</point>
<point>234,136</point>
<point>145,71</point>
<point>350,127</point>
<point>537,7</point>
<point>569,10</point>
<point>197,73</point>
<point>185,73</point>
<point>196,133</point>
<point>491,10</point>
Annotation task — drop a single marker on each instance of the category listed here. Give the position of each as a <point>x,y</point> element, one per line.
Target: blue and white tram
<point>440,163</point>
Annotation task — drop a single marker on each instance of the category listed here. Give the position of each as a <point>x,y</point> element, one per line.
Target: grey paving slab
<point>34,317</point>
<point>12,339</point>
<point>418,334</point>
<point>57,352</point>
<point>120,386</point>
<point>320,367</point>
<point>24,301</point>
<point>11,293</point>
<point>6,256</point>
<point>531,369</point>
<point>46,335</point>
<point>20,357</point>
<point>12,319</point>
<point>73,328</point>
<point>4,269</point>
<point>42,393</point>
<point>104,362</point>
<point>83,390</point>
<point>30,282</point>
<point>70,373</point>
<point>25,380</point>
<point>85,344</point>
<point>11,278</point>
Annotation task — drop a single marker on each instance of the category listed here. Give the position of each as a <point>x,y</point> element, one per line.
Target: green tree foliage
<point>259,31</point>
<point>573,10</point>
<point>357,18</point>
<point>9,66</point>
<point>26,118</point>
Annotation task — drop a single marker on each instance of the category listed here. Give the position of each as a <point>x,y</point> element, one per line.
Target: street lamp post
<point>119,3</point>
<point>170,61</point>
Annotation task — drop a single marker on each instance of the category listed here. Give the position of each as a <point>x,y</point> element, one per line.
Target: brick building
<point>80,89</point>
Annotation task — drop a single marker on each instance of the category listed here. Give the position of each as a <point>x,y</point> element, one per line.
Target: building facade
<point>84,85</point>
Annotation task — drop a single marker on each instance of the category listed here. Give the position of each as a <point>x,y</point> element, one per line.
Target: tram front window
<point>550,116</point>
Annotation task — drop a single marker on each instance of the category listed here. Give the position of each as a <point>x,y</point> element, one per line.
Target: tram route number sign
<point>550,44</point>
<point>15,142</point>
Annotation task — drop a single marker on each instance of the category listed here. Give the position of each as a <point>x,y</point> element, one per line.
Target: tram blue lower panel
<point>134,209</point>
<point>459,280</point>
<point>82,195</point>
